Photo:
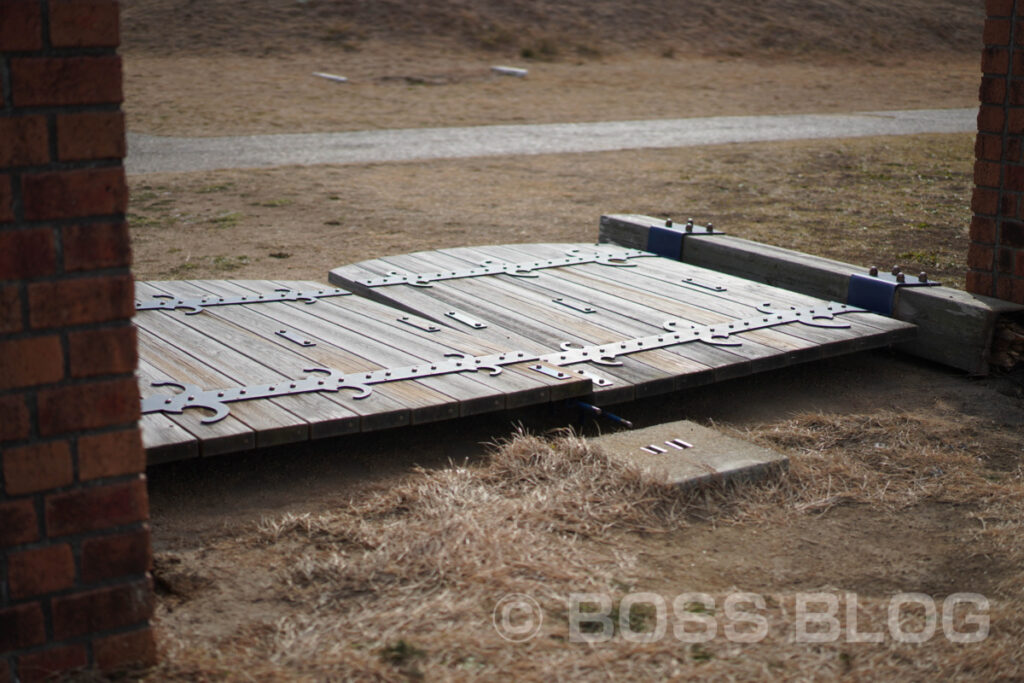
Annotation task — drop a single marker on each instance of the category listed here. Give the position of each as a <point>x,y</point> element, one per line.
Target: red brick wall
<point>996,256</point>
<point>74,543</point>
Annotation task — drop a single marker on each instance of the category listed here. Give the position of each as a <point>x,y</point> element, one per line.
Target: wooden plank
<point>675,361</point>
<point>657,276</point>
<point>226,436</point>
<point>341,415</point>
<point>523,386</point>
<point>249,359</point>
<point>476,393</point>
<point>648,311</point>
<point>729,363</point>
<point>187,354</point>
<point>628,292</point>
<point>956,327</point>
<point>539,327</point>
<point>431,304</point>
<point>166,441</point>
<point>340,348</point>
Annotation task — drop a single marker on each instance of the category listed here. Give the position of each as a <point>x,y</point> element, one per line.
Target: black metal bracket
<point>877,292</point>
<point>668,240</point>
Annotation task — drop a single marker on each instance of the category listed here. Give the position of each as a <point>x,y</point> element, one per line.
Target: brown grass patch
<point>401,582</point>
<point>870,201</point>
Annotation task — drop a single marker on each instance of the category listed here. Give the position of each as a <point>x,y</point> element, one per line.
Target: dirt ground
<point>395,86</point>
<point>383,557</point>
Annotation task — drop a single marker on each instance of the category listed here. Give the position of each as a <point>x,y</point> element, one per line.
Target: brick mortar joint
<point>83,639</point>
<point>35,435</point>
<point>80,588</point>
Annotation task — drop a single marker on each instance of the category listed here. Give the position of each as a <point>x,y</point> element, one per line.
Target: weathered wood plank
<point>166,441</point>
<point>741,299</point>
<point>613,290</point>
<point>490,299</point>
<point>328,414</point>
<point>521,386</point>
<point>516,333</point>
<point>727,362</point>
<point>226,436</point>
<point>213,364</point>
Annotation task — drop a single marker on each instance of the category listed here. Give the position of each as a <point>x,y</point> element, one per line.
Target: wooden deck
<point>510,320</point>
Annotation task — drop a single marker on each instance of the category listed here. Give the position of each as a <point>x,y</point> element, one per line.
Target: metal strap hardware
<point>328,380</point>
<point>575,305</point>
<point>619,257</point>
<point>465,320</point>
<point>419,323</point>
<point>667,240</point>
<point>696,284</point>
<point>549,371</point>
<point>877,292</point>
<point>166,302</point>
<point>292,337</point>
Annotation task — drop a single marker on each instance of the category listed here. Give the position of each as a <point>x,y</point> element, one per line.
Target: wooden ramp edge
<point>229,366</point>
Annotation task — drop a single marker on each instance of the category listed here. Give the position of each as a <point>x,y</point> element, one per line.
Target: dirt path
<point>149,154</point>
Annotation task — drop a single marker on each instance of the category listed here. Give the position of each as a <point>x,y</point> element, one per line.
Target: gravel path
<point>153,154</point>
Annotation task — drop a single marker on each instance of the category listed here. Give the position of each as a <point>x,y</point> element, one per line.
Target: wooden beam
<point>955,328</point>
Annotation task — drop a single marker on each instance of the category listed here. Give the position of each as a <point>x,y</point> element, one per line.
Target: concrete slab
<point>687,454</point>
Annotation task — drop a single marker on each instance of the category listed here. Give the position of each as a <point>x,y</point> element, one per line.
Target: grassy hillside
<point>861,29</point>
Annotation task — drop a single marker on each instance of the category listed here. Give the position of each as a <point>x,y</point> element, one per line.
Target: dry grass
<point>397,86</point>
<point>869,201</point>
<point>569,28</point>
<point>400,582</point>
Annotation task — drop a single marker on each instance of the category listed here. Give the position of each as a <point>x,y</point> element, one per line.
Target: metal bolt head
<point>710,227</point>
<point>668,222</point>
<point>923,277</point>
<point>895,270</point>
<point>873,271</point>
<point>689,226</point>
<point>900,277</point>
<point>689,222</point>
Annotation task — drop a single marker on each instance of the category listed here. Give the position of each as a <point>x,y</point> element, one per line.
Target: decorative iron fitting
<point>328,380</point>
<point>166,302</point>
<point>604,258</point>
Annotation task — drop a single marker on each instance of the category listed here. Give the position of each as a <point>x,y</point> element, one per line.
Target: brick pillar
<point>74,543</point>
<point>996,256</point>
